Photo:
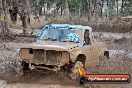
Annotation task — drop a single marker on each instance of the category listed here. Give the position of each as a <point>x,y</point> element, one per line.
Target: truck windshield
<point>59,34</point>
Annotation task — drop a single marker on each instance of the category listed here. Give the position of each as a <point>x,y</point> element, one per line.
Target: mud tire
<point>24,71</point>
<point>74,75</point>
<point>81,80</point>
<point>25,67</point>
<point>67,67</point>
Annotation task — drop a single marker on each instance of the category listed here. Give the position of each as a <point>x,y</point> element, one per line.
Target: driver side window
<point>86,38</point>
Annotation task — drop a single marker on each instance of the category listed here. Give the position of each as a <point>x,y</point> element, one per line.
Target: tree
<point>0,7</point>
<point>88,10</point>
<point>117,9</point>
<point>74,6</point>
<point>101,9</point>
<point>126,8</point>
<point>111,10</point>
<point>13,10</point>
<point>5,30</point>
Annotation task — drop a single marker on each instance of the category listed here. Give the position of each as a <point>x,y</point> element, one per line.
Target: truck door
<point>90,49</point>
<point>87,46</point>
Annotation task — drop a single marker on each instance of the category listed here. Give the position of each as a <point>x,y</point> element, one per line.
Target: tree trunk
<point>95,5</point>
<point>0,7</point>
<point>122,6</point>
<point>117,9</point>
<point>24,22</point>
<point>1,20</point>
<point>88,12</point>
<point>13,10</point>
<point>5,29</point>
<point>79,13</point>
<point>28,11</point>
<point>61,11</point>
<point>23,14</point>
<point>102,4</point>
<point>67,10</point>
<point>107,9</point>
<point>40,11</point>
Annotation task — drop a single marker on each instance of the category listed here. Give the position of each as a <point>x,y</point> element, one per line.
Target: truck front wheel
<point>79,63</point>
<point>25,67</point>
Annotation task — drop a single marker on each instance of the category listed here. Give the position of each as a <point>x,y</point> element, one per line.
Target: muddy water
<point>42,80</point>
<point>9,64</point>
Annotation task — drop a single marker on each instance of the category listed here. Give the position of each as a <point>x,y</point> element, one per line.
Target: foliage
<point>111,10</point>
<point>92,8</point>
<point>126,7</point>
<point>74,5</point>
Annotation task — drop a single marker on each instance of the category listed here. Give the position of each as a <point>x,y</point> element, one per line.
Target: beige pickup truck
<point>60,45</point>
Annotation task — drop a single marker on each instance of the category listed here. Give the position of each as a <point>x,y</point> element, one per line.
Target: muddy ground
<point>119,63</point>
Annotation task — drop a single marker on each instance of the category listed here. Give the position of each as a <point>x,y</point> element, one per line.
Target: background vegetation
<point>102,15</point>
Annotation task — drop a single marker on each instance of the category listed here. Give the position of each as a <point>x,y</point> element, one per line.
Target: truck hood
<point>53,45</point>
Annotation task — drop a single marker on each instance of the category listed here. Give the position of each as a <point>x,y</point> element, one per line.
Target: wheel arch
<point>75,55</point>
<point>81,58</point>
<point>106,53</point>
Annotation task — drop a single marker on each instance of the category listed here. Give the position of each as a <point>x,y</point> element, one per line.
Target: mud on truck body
<point>61,44</point>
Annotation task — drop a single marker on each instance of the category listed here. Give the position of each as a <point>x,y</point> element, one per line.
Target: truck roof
<point>69,26</point>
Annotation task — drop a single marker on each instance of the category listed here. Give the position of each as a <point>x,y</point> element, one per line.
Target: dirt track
<point>9,65</point>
